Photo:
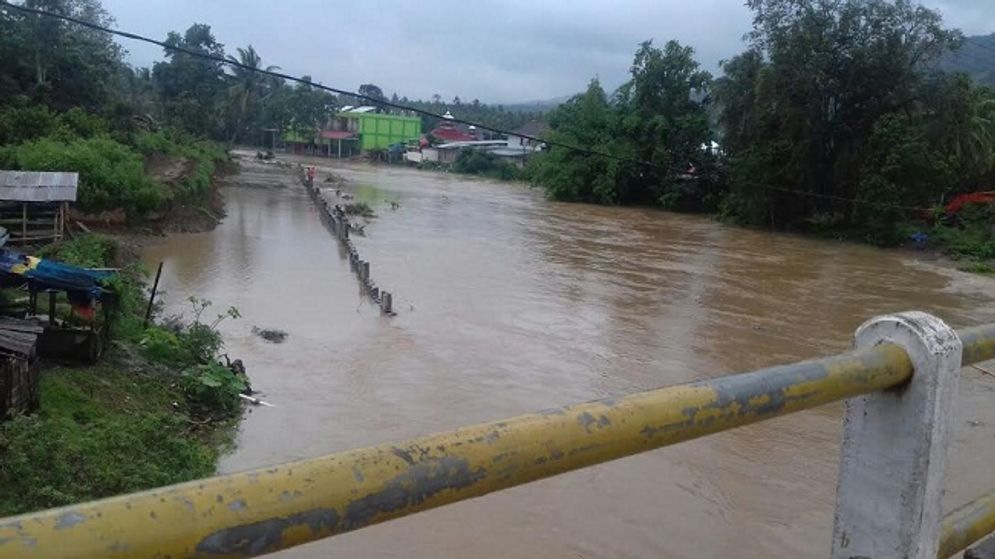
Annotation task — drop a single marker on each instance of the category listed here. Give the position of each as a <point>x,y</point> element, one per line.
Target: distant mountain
<point>542,106</point>
<point>975,58</point>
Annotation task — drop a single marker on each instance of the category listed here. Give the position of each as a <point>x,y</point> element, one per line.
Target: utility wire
<point>383,102</point>
<point>979,45</point>
<point>373,100</point>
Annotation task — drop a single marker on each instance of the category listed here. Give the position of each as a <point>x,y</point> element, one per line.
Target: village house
<point>354,131</point>
<point>521,138</point>
<point>448,130</point>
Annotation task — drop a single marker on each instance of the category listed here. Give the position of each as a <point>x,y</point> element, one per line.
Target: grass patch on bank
<point>157,410</point>
<point>101,431</point>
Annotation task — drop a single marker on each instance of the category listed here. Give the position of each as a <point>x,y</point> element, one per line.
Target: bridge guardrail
<point>899,384</point>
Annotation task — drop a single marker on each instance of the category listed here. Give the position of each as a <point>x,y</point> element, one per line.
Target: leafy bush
<point>475,162</point>
<point>971,241</point>
<point>88,251</point>
<point>359,208</point>
<point>79,123</point>
<point>977,268</point>
<point>968,234</point>
<point>212,389</point>
<point>187,344</point>
<point>161,345</point>
<point>111,174</point>
<point>24,124</point>
<point>28,123</point>
<point>151,143</point>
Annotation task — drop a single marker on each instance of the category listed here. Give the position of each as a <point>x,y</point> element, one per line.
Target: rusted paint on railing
<point>261,511</point>
<point>966,525</point>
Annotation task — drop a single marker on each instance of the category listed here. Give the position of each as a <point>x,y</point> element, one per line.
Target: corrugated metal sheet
<point>19,336</point>
<point>34,186</point>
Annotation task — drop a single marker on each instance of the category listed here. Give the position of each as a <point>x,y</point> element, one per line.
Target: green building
<point>355,131</point>
<point>379,131</point>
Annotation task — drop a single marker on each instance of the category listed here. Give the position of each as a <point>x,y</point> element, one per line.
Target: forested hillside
<point>975,57</point>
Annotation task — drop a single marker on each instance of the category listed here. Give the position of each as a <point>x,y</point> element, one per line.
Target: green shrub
<point>111,174</point>
<point>19,125</point>
<point>24,124</point>
<point>977,268</point>
<point>970,236</point>
<point>972,241</point>
<point>359,208</point>
<point>88,251</point>
<point>213,390</point>
<point>78,123</point>
<point>475,162</point>
<point>150,143</point>
<point>161,346</point>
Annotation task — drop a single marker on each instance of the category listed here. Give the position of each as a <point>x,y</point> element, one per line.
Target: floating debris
<point>256,401</point>
<point>270,334</point>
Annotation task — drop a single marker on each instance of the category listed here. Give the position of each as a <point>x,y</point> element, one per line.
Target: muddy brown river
<point>507,303</point>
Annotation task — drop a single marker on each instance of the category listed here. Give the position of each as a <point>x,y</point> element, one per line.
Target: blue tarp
<point>46,274</point>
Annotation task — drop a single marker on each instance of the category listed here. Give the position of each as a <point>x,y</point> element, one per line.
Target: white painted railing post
<point>895,446</point>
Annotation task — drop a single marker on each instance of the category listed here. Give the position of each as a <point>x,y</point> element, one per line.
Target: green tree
<point>655,127</point>
<point>585,120</point>
<point>310,107</point>
<point>799,108</point>
<point>665,122</point>
<point>54,62</point>
<point>373,92</point>
<point>191,87</point>
<point>247,86</point>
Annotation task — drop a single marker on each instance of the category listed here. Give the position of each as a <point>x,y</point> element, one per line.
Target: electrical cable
<point>382,102</point>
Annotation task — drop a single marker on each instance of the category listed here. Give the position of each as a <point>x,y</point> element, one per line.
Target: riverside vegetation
<point>156,410</point>
<point>837,119</point>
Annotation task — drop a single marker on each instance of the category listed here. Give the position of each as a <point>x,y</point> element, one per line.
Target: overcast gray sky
<point>496,51</point>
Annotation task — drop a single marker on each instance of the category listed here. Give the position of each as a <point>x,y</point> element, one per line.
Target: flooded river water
<point>507,303</point>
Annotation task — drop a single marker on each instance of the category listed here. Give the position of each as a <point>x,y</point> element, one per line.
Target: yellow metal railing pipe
<point>257,512</point>
<point>979,344</point>
<point>966,525</point>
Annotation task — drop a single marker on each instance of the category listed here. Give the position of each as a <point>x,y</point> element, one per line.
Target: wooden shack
<point>18,369</point>
<point>34,205</point>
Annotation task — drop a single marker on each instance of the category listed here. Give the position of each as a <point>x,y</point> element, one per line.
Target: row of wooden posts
<point>339,223</point>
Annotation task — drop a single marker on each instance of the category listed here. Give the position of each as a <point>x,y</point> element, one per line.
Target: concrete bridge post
<point>895,444</point>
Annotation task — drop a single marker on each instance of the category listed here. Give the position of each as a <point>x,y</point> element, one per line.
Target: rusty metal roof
<point>35,186</point>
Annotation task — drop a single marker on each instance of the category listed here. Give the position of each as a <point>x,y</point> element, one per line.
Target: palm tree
<point>983,128</point>
<point>247,84</point>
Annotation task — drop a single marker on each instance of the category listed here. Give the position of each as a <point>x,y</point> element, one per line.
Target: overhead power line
<point>423,112</point>
<point>373,100</point>
<point>979,45</point>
